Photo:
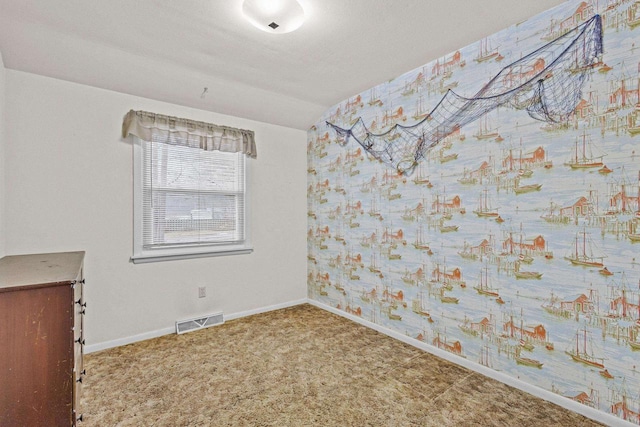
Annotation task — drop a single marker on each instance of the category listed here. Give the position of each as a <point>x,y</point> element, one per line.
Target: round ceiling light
<point>274,16</point>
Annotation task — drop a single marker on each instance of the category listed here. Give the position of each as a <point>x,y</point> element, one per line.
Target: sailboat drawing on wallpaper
<point>374,99</point>
<point>417,305</point>
<point>583,156</point>
<point>486,131</point>
<point>444,158</point>
<point>465,327</point>
<point>582,350</point>
<point>526,361</point>
<point>583,254</point>
<point>485,357</point>
<point>420,177</point>
<point>483,287</point>
<point>446,299</point>
<point>391,315</point>
<point>374,211</point>
<point>485,210</point>
<point>467,178</point>
<point>374,267</point>
<point>486,52</point>
<point>467,252</point>
<point>521,189</point>
<point>447,228</point>
<point>421,112</point>
<point>419,243</point>
<point>520,274</point>
<point>554,216</point>
<point>634,237</point>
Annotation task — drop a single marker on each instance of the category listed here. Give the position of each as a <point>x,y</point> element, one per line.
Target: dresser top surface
<point>35,269</point>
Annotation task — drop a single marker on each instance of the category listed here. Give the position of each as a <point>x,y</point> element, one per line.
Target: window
<point>190,187</point>
<point>188,202</point>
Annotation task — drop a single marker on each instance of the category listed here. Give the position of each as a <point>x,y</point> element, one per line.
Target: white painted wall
<point>2,167</point>
<point>69,187</point>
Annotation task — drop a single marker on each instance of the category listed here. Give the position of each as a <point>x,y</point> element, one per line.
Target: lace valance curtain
<point>156,127</point>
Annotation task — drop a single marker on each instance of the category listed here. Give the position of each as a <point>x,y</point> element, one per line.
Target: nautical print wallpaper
<point>514,242</point>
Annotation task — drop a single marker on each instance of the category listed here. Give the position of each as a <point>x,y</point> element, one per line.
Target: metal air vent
<point>189,325</point>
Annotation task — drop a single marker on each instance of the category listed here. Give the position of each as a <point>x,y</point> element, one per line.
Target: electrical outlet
<point>202,292</point>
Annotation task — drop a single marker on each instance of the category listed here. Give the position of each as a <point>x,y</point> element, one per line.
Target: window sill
<point>146,258</point>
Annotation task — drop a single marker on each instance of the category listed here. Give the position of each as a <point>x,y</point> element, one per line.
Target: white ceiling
<point>171,50</point>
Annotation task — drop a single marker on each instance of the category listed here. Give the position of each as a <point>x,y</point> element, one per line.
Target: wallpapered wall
<point>515,243</point>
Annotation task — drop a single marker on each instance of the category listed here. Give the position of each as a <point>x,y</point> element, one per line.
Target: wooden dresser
<point>41,339</point>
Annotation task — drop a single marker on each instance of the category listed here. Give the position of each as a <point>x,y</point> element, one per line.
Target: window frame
<point>145,255</point>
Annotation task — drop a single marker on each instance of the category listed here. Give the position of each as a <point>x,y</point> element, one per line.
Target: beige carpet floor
<point>299,366</point>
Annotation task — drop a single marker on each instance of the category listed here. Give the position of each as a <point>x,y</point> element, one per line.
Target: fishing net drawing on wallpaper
<point>547,83</point>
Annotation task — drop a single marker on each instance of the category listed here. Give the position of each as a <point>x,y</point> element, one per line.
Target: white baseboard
<point>92,348</point>
<point>265,309</point>
<point>567,403</point>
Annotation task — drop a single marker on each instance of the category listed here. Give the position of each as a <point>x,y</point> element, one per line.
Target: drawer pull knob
<point>83,372</point>
<point>79,418</point>
<point>80,341</point>
<point>79,380</point>
<point>80,303</point>
<point>83,311</point>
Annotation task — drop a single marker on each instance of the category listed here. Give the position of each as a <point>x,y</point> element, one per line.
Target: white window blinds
<point>191,191</point>
<point>191,197</point>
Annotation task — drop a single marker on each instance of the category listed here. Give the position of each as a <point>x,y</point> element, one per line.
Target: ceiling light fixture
<point>274,16</point>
